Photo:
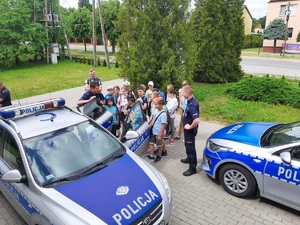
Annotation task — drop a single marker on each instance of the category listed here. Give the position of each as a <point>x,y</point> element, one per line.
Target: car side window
<point>295,153</point>
<point>11,153</point>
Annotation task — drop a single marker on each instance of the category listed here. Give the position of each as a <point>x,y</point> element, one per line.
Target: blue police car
<point>59,167</point>
<point>256,157</point>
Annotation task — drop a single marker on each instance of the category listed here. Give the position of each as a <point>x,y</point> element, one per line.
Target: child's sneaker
<point>166,137</point>
<point>158,158</point>
<point>150,157</point>
<point>172,141</point>
<point>164,153</point>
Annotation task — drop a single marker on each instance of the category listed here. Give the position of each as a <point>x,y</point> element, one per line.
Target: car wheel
<point>237,180</point>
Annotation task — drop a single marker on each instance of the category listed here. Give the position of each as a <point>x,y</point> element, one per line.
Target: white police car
<point>60,167</point>
<point>247,157</point>
<point>135,132</point>
<point>98,113</point>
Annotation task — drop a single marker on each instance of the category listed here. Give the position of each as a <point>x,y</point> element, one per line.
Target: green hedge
<point>253,41</point>
<point>266,89</point>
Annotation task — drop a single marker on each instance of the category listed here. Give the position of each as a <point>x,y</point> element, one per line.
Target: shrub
<point>253,41</point>
<point>104,63</point>
<point>99,63</point>
<point>117,65</point>
<point>266,89</point>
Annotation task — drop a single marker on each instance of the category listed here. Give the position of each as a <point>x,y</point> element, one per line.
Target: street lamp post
<point>287,13</point>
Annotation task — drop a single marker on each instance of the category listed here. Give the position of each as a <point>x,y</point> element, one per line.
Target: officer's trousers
<point>190,147</point>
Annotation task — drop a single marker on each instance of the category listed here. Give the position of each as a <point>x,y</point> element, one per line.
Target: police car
<point>58,166</point>
<point>135,132</point>
<point>98,113</point>
<point>257,157</point>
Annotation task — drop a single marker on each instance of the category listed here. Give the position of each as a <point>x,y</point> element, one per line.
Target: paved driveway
<point>196,199</point>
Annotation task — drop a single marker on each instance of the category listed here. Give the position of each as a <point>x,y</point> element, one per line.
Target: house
<point>247,20</point>
<point>279,9</point>
<point>258,29</point>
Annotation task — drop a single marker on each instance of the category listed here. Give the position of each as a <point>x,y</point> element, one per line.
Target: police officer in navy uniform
<point>4,96</point>
<point>190,122</point>
<point>91,94</point>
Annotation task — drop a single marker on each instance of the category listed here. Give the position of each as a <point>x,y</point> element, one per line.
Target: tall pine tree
<point>218,31</point>
<point>152,41</point>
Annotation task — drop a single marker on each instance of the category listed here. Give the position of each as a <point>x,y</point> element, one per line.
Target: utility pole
<point>46,29</point>
<point>103,35</point>
<point>287,13</point>
<point>94,33</point>
<point>64,30</point>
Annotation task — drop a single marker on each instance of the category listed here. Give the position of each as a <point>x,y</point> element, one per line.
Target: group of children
<point>159,109</point>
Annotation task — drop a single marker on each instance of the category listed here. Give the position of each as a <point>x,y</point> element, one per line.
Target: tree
<point>298,37</point>
<point>81,24</point>
<point>262,21</point>
<point>110,11</point>
<point>255,22</point>
<point>218,32</point>
<point>276,30</point>
<point>85,3</point>
<point>152,41</point>
<point>19,36</point>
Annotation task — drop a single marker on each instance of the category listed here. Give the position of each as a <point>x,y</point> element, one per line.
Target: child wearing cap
<point>110,93</point>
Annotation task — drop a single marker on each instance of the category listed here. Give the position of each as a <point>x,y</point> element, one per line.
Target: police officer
<point>4,96</point>
<point>190,124</point>
<point>90,95</point>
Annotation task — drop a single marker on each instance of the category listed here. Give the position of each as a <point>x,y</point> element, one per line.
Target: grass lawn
<point>216,105</point>
<point>37,79</point>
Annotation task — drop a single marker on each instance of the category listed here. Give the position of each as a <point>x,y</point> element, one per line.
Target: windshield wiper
<point>60,180</point>
<point>102,164</point>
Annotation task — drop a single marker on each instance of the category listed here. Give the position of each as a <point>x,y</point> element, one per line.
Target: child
<point>114,110</point>
<point>172,105</point>
<point>158,125</point>
<point>110,93</point>
<point>122,104</point>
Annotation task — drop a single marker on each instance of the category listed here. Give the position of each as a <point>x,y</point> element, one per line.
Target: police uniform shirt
<point>5,95</point>
<point>90,80</point>
<point>191,112</point>
<point>87,95</point>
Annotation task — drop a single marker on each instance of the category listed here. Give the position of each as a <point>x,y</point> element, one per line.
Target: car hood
<point>118,194</point>
<point>248,133</point>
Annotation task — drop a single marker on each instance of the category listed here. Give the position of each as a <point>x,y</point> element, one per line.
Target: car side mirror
<point>12,176</point>
<point>131,135</point>
<point>286,157</point>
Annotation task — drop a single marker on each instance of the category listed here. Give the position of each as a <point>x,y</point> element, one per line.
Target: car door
<point>15,193</point>
<point>98,113</point>
<point>282,180</point>
<point>136,132</point>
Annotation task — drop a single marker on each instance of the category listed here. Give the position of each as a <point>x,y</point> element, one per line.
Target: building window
<point>290,32</point>
<point>293,9</point>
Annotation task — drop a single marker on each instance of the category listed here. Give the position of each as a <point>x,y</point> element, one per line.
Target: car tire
<point>237,180</point>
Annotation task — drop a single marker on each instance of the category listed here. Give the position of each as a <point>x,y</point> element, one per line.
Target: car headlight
<point>166,186</point>
<point>214,147</point>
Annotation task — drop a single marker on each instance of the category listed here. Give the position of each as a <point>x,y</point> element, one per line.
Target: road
<point>281,67</point>
<point>250,64</point>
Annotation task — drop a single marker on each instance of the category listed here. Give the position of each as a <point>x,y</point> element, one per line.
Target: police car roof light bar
<point>25,110</point>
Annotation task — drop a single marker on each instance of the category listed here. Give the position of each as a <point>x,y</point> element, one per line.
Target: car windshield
<point>69,153</point>
<point>282,134</point>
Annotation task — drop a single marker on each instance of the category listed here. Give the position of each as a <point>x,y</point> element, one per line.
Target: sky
<point>257,8</point>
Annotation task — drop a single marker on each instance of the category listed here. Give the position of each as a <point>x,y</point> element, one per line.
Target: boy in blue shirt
<point>158,125</point>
